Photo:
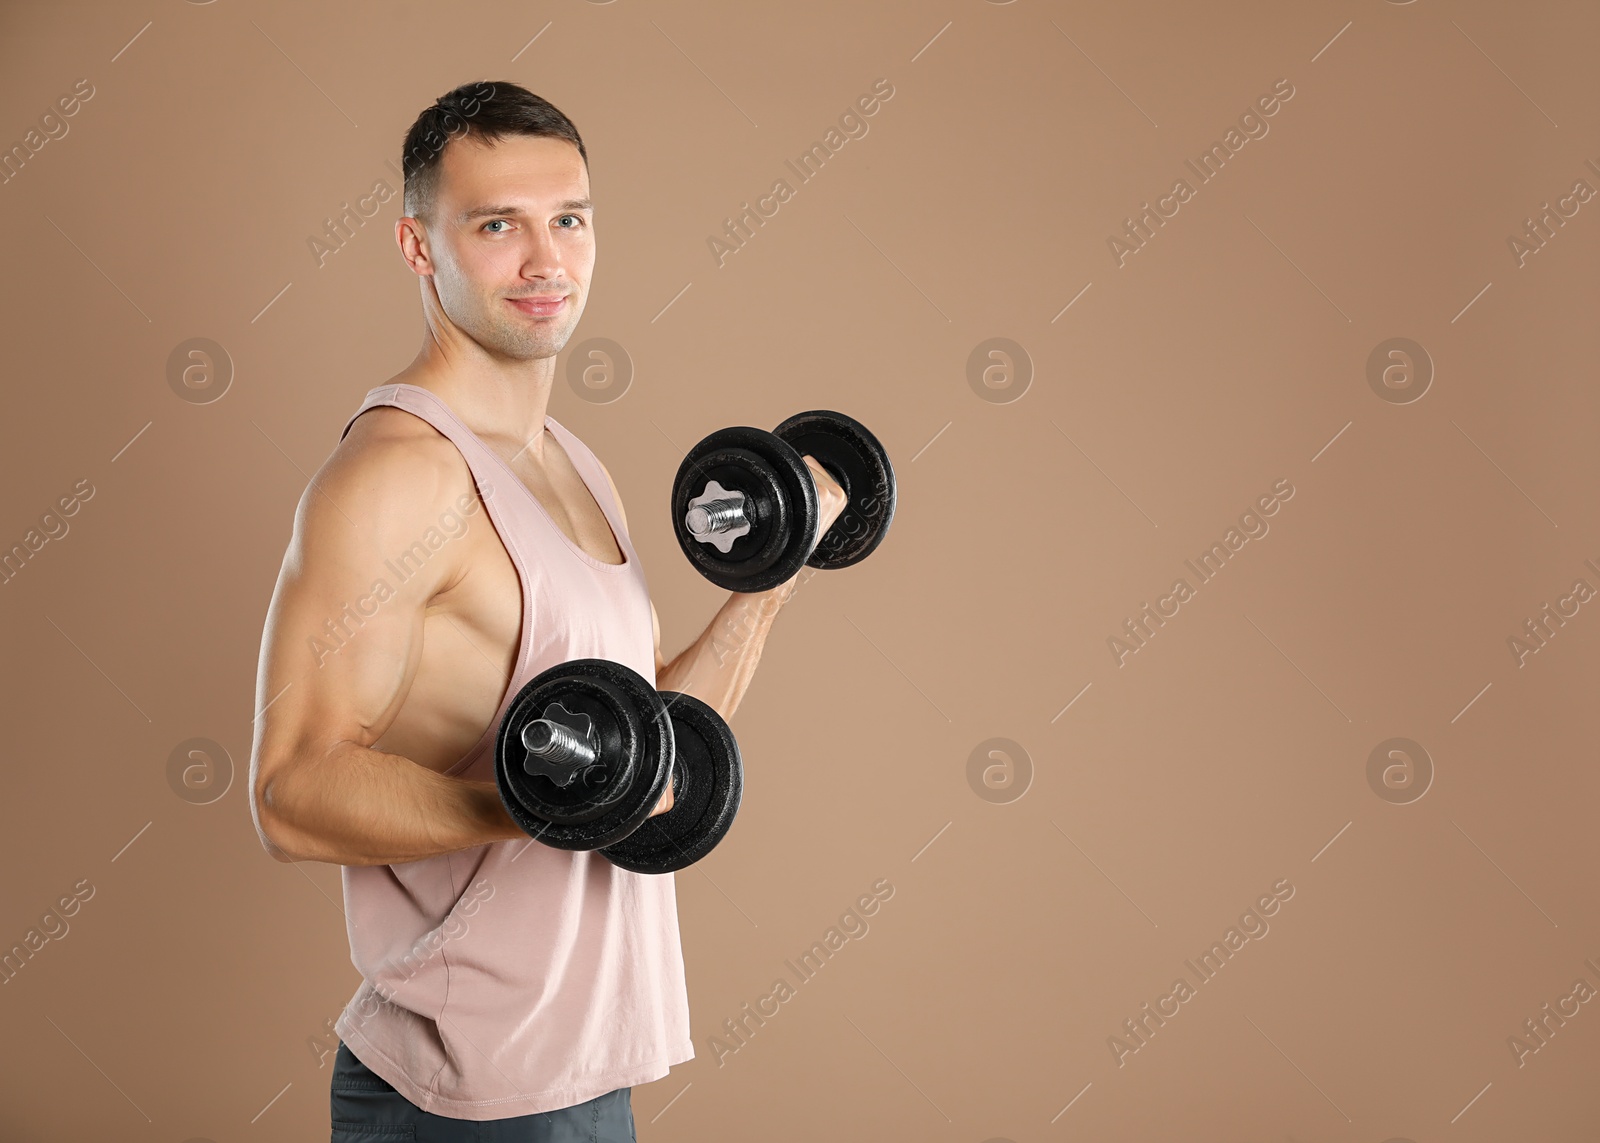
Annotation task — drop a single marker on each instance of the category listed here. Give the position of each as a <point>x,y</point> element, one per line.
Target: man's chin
<point>531,347</point>
<point>537,352</point>
<point>553,344</point>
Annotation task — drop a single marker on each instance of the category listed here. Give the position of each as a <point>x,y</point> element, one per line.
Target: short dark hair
<point>488,110</point>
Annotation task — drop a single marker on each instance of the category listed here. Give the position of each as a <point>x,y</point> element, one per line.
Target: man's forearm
<point>366,807</point>
<point>718,666</point>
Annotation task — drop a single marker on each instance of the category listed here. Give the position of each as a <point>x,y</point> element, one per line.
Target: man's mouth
<point>540,305</point>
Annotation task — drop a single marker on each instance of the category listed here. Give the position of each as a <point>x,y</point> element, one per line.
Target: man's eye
<point>495,222</point>
<point>574,218</point>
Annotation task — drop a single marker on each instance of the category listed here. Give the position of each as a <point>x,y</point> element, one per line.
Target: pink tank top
<point>513,978</point>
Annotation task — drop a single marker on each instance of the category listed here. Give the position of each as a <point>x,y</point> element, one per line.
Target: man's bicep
<point>343,636</point>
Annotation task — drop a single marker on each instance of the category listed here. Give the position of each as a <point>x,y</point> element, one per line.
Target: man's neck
<point>494,403</point>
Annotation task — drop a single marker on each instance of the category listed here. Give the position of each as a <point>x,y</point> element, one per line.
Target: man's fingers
<point>831,499</point>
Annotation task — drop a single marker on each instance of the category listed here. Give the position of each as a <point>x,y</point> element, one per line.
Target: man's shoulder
<point>396,464</point>
<point>387,437</point>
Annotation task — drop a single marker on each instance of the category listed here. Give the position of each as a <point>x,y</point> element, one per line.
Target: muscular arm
<point>718,666</point>
<point>325,694</point>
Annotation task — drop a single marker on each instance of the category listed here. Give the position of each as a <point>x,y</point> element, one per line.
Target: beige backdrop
<point>1359,320</point>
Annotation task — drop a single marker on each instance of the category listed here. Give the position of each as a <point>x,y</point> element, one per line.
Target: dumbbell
<point>744,504</point>
<point>585,751</point>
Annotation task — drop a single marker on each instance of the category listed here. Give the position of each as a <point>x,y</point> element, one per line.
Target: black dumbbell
<point>744,504</point>
<point>585,751</point>
<point>707,787</point>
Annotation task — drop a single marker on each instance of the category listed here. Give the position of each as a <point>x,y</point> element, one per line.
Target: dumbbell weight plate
<point>781,504</point>
<point>606,802</point>
<point>707,786</point>
<point>854,458</point>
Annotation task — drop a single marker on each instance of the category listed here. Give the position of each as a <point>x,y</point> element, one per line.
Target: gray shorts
<point>367,1109</point>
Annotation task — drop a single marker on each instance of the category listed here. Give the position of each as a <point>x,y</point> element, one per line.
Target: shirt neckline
<point>558,430</point>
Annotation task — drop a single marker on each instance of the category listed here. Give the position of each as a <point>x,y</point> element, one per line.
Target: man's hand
<point>730,676</point>
<point>831,503</point>
<point>831,500</point>
<point>665,803</point>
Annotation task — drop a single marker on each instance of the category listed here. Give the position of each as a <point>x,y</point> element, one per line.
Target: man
<point>457,542</point>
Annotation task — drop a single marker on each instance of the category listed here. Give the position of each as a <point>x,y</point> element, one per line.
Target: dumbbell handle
<point>557,750</point>
<point>554,743</point>
<point>711,517</point>
<point>705,520</point>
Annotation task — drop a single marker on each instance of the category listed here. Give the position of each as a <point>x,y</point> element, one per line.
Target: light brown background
<point>193,989</point>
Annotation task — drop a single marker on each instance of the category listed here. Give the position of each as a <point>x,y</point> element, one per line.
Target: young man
<point>458,541</point>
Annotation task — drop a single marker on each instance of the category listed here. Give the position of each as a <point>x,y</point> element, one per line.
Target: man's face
<point>513,232</point>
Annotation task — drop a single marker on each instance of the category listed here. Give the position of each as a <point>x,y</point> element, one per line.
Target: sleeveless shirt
<point>513,978</point>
